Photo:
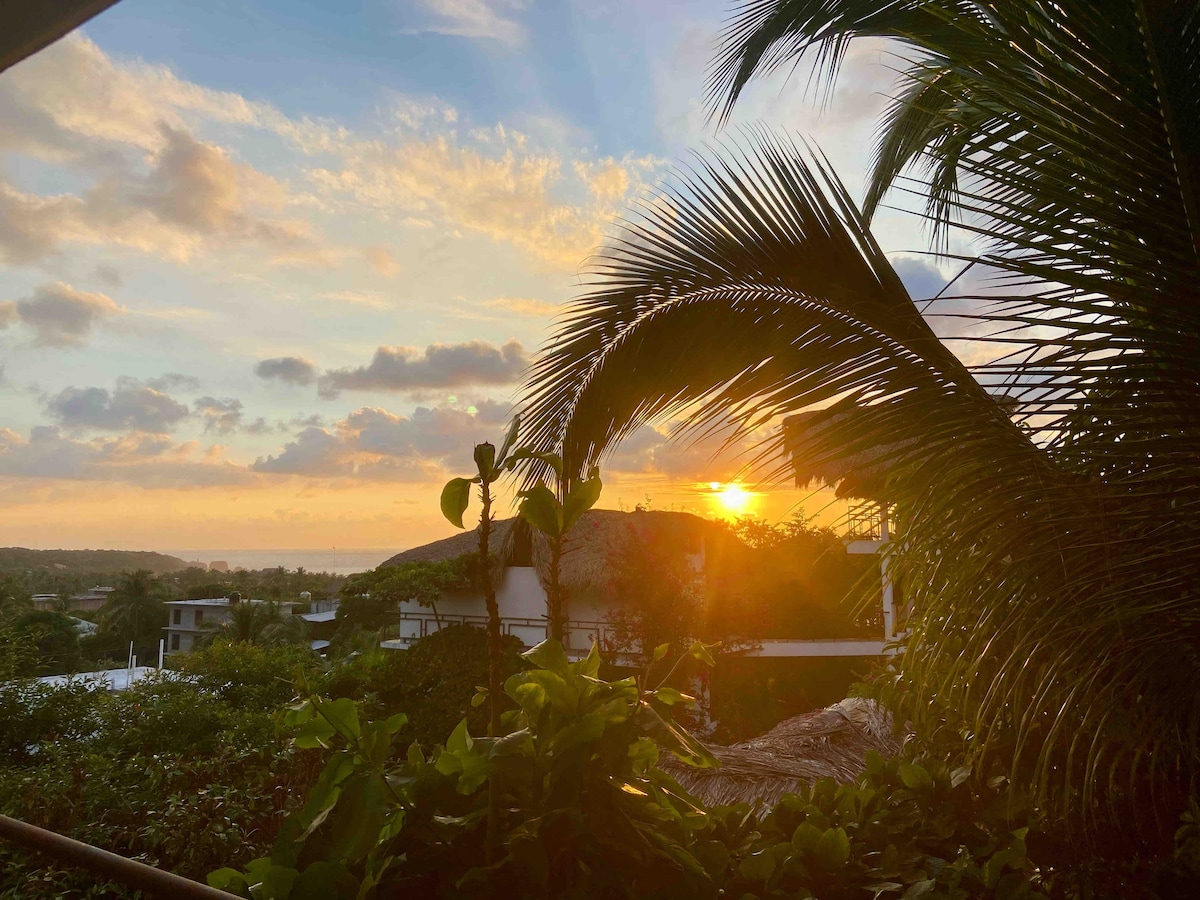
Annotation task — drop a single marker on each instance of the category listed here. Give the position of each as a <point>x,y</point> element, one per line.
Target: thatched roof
<point>859,469</point>
<point>586,563</point>
<point>826,743</point>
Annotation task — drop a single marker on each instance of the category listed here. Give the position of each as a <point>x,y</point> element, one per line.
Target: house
<point>321,618</point>
<point>91,600</point>
<point>522,574</point>
<point>189,619</point>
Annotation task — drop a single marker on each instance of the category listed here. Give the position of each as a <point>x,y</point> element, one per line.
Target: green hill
<point>85,562</point>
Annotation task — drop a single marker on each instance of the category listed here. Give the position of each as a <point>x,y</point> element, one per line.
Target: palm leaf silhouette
<point>1049,497</point>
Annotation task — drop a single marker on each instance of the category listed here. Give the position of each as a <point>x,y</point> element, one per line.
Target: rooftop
<point>223,601</point>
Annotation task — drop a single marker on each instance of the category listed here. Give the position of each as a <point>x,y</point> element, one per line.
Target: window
<point>199,617</point>
<point>175,639</point>
<point>176,617</point>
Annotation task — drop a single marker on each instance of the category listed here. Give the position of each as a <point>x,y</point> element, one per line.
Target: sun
<point>733,497</point>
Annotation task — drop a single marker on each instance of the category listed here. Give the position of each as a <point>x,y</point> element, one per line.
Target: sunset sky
<point>268,269</point>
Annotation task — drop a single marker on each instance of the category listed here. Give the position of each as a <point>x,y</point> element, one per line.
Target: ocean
<point>340,561</point>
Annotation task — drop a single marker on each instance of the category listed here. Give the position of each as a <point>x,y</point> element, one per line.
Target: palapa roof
<point>858,468</point>
<point>589,546</point>
<point>827,743</point>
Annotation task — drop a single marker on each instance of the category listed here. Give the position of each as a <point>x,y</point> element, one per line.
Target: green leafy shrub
<point>185,772</point>
<point>432,682</point>
<point>585,810</point>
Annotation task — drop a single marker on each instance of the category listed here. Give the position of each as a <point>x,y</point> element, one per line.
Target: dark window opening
<point>174,642</point>
<point>176,616</point>
<point>199,616</point>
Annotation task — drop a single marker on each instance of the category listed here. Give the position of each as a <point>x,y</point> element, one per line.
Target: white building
<point>587,573</point>
<point>189,619</point>
<point>522,579</point>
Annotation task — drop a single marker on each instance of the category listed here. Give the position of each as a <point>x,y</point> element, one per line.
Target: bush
<point>432,682</point>
<point>185,773</point>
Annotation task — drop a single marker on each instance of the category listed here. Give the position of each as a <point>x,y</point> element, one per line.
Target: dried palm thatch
<point>858,470</point>
<point>827,743</point>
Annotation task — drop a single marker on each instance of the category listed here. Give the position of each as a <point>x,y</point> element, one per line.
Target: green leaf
<point>460,738</point>
<point>919,888</point>
<point>704,652</point>
<point>670,697</point>
<point>549,655</point>
<point>661,651</point>
<point>551,459</point>
<point>510,438</point>
<point>915,778</point>
<point>833,849</point>
<point>343,716</point>
<point>540,508</point>
<point>589,666</point>
<point>229,880</point>
<point>313,733</point>
<point>455,497</point>
<point>758,866</point>
<point>677,740</point>
<point>395,723</point>
<point>806,837</point>
<point>581,498</point>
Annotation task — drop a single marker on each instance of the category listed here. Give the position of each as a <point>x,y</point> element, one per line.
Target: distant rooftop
<point>223,601</point>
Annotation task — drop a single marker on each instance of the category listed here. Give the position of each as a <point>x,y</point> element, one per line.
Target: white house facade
<point>188,620</point>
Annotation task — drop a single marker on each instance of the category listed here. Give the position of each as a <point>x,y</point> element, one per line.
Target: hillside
<point>86,562</point>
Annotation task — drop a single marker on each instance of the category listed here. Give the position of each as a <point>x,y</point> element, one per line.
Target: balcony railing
<point>110,866</point>
<point>410,627</point>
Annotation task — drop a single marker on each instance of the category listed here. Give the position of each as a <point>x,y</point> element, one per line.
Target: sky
<point>269,269</point>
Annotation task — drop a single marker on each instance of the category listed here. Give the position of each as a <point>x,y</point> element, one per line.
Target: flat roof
<point>327,616</point>
<point>224,601</point>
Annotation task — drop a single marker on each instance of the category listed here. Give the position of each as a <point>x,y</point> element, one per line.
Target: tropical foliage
<point>187,775</point>
<point>135,610</point>
<point>1049,497</point>
<point>258,622</point>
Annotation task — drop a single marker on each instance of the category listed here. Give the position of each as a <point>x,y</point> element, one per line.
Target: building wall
<point>522,602</point>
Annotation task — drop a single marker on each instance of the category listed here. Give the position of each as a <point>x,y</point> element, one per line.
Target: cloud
<point>174,381</point>
<point>59,315</point>
<point>381,261</point>
<point>126,130</point>
<point>374,444</point>
<point>922,279</point>
<point>488,19</point>
<point>607,179</point>
<point>359,298</point>
<point>289,369</point>
<point>221,416</point>
<point>494,184</point>
<point>131,406</point>
<point>439,366</point>
<point>151,461</point>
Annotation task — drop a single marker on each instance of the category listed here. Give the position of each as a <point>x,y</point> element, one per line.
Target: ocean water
<point>340,561</point>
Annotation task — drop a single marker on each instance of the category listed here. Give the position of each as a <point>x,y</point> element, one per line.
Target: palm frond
<point>1050,572</point>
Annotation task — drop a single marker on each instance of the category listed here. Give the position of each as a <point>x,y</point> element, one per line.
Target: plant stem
<point>495,663</point>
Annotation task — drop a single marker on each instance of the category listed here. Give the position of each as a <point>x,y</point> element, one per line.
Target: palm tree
<point>258,623</point>
<point>135,610</point>
<point>1051,496</point>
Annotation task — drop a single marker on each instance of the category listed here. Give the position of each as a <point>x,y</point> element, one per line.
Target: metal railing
<point>427,623</point>
<point>129,872</point>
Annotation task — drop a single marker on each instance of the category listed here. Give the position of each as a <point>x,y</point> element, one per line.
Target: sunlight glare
<point>733,497</point>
